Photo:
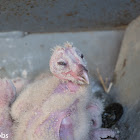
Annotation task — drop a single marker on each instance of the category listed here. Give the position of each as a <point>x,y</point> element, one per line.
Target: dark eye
<point>61,63</point>
<point>82,56</point>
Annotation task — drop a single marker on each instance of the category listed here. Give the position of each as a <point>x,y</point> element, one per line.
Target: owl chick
<point>60,106</point>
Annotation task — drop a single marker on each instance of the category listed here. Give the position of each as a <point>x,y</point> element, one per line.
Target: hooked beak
<point>85,77</point>
<point>83,74</point>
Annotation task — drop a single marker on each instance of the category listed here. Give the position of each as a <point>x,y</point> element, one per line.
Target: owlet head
<point>68,63</point>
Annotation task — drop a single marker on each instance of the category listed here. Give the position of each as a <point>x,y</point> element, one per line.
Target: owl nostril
<point>85,69</point>
<point>82,68</point>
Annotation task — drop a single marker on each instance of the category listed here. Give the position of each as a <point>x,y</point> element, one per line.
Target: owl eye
<point>61,63</point>
<point>82,56</point>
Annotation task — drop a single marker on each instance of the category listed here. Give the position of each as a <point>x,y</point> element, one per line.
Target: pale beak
<point>85,77</point>
<point>82,74</point>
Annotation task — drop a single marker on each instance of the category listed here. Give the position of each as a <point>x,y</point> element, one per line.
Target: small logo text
<point>4,136</point>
